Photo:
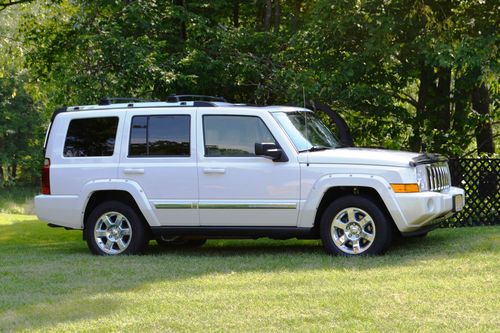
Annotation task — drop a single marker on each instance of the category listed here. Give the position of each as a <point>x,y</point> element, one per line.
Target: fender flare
<point>129,186</point>
<point>311,204</point>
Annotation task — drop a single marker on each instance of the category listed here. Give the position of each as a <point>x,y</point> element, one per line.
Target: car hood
<point>366,156</point>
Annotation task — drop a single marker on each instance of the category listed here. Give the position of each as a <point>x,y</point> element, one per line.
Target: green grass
<point>449,281</point>
<point>17,200</point>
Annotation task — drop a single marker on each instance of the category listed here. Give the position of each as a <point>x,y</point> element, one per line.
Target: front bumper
<point>427,208</point>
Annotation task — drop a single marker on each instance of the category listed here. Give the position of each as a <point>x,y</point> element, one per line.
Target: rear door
<point>159,153</point>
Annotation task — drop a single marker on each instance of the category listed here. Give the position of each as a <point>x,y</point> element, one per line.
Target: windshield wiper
<point>315,148</point>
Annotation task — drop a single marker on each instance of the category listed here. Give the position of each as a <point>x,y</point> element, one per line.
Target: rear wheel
<point>355,225</point>
<point>173,242</point>
<point>114,228</point>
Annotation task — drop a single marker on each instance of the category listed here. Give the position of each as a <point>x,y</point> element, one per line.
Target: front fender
<point>311,204</point>
<point>130,186</point>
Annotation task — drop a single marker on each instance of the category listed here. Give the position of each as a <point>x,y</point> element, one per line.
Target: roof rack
<point>179,98</point>
<point>110,100</point>
<point>108,103</point>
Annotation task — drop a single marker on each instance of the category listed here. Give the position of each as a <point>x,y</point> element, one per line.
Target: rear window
<point>91,137</point>
<point>164,135</point>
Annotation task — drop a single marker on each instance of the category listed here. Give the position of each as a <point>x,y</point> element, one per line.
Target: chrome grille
<point>439,176</point>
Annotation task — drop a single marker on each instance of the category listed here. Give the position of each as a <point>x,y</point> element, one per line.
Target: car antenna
<point>305,114</point>
<point>304,96</point>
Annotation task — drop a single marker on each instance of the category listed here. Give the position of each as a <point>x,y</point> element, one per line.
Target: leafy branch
<point>7,4</point>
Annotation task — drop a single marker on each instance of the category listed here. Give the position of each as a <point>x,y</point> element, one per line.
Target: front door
<point>236,187</point>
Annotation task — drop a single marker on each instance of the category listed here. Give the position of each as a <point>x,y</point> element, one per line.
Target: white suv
<point>184,171</point>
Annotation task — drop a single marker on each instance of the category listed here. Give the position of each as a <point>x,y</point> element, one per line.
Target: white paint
<point>197,182</point>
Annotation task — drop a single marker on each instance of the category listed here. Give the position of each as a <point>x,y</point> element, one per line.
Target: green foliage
<point>400,72</point>
<point>21,130</point>
<point>371,56</point>
<point>20,134</point>
<point>17,200</point>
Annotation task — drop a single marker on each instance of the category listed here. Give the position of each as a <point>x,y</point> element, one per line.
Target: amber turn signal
<point>405,188</point>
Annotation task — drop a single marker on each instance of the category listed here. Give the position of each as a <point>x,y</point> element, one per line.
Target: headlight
<point>422,179</point>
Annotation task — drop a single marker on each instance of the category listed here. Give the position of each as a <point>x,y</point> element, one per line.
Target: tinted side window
<point>91,137</point>
<point>234,135</point>
<point>160,136</point>
<point>138,134</point>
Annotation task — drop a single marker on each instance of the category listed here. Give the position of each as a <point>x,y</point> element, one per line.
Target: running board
<point>236,232</point>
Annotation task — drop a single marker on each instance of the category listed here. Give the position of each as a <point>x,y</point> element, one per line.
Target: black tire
<point>372,235</point>
<point>179,242</point>
<point>135,242</point>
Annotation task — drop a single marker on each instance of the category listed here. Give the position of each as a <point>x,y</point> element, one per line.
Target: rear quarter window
<point>91,137</point>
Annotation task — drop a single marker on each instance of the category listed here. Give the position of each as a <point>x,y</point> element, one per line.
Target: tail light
<point>46,176</point>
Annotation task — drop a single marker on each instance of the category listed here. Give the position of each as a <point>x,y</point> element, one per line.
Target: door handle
<point>133,171</point>
<point>218,171</point>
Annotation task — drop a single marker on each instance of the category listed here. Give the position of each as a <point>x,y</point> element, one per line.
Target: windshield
<point>306,131</point>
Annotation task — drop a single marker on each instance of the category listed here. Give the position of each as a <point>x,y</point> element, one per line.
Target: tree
<point>21,130</point>
<point>20,133</point>
<point>9,3</point>
<point>402,73</point>
<point>408,60</point>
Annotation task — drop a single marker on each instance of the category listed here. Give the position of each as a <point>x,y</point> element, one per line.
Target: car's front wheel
<point>355,225</point>
<point>114,228</point>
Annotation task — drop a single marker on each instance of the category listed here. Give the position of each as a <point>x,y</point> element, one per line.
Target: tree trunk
<point>423,94</point>
<point>296,15</point>
<point>484,133</point>
<point>438,107</point>
<point>443,94</point>
<point>236,13</point>
<point>14,171</point>
<point>182,23</point>
<point>461,95</point>
<point>267,15</point>
<point>259,15</point>
<point>1,175</point>
<point>277,15</point>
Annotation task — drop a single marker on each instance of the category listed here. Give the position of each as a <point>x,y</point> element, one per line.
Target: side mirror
<point>270,150</point>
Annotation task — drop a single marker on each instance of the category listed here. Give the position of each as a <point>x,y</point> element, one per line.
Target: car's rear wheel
<point>176,241</point>
<point>114,228</point>
<point>355,225</point>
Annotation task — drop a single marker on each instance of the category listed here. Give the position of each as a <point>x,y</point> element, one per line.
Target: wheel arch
<point>336,192</point>
<point>333,186</point>
<point>125,191</point>
<point>101,196</point>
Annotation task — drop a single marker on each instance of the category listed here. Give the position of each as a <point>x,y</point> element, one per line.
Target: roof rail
<point>179,98</point>
<point>111,100</point>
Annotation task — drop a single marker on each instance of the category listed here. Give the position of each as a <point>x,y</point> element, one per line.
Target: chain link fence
<point>480,178</point>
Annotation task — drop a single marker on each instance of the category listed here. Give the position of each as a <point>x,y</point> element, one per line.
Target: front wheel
<point>114,228</point>
<point>355,225</point>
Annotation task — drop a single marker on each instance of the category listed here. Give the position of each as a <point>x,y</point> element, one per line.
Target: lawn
<point>449,281</point>
<point>17,199</point>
